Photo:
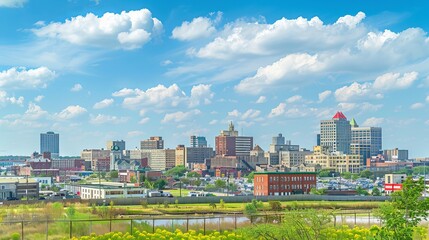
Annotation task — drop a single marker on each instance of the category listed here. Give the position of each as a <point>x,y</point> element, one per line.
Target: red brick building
<point>283,183</point>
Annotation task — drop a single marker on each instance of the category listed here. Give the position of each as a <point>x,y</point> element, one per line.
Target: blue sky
<point>101,70</point>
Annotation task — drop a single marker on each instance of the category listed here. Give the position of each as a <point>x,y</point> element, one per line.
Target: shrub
<point>166,204</point>
<point>144,203</point>
<point>15,236</point>
<point>221,203</point>
<point>275,205</point>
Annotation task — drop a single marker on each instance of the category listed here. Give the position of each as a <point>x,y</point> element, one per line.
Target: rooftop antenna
<point>242,132</point>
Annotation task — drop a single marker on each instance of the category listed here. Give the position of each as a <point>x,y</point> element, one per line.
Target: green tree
<point>114,174</point>
<point>420,170</point>
<point>366,174</point>
<point>346,175</point>
<point>220,184</point>
<point>193,175</point>
<point>177,171</point>
<point>250,177</point>
<point>325,173</point>
<point>376,192</point>
<point>405,211</point>
<point>160,184</point>
<point>361,191</point>
<point>148,184</point>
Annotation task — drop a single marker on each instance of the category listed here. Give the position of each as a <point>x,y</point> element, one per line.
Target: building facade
<point>50,142</point>
<point>118,143</point>
<point>335,134</point>
<point>152,143</point>
<point>366,141</point>
<point>283,183</point>
<point>335,161</point>
<point>228,143</point>
<point>198,141</point>
<point>395,154</point>
<point>92,156</point>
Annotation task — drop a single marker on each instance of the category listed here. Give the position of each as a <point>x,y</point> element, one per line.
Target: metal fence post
<point>235,221</point>
<point>131,226</point>
<point>22,230</point>
<point>47,229</point>
<point>187,223</point>
<point>110,225</point>
<point>153,224</point>
<point>355,218</point>
<point>71,229</point>
<point>204,225</point>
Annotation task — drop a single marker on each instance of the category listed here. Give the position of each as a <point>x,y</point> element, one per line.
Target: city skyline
<point>189,68</point>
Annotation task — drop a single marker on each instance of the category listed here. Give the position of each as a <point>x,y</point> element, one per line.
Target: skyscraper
<point>50,142</point>
<point>335,134</point>
<point>366,141</point>
<point>198,141</point>
<point>152,143</point>
<point>119,144</point>
<point>228,143</point>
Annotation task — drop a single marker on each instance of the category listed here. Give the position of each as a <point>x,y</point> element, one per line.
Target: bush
<point>144,203</point>
<point>166,204</point>
<point>15,236</point>
<point>275,205</point>
<point>221,203</point>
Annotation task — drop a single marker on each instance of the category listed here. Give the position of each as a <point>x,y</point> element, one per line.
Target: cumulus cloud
<point>277,111</point>
<point>199,27</point>
<point>34,112</point>
<point>417,105</point>
<point>395,81</point>
<point>103,103</point>
<point>22,78</point>
<point>12,3</point>
<point>286,69</point>
<point>180,116</point>
<point>163,96</point>
<point>39,98</point>
<point>127,30</point>
<point>76,88</point>
<point>373,122</point>
<point>144,120</point>
<point>102,119</point>
<point>261,99</point>
<point>324,95</point>
<point>247,115</point>
<point>383,83</point>
<point>4,98</point>
<point>70,112</point>
<point>294,99</point>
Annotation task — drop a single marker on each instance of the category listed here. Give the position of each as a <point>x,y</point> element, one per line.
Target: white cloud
<point>375,41</point>
<point>39,98</point>
<point>213,122</point>
<point>234,113</point>
<point>261,99</point>
<point>395,81</point>
<point>23,78</point>
<point>103,103</point>
<point>373,122</point>
<point>324,95</point>
<point>70,112</point>
<point>101,119</point>
<point>135,133</point>
<point>416,105</point>
<point>12,3</point>
<point>277,111</point>
<point>345,107</point>
<point>127,30</point>
<point>180,116</point>
<point>200,27</point>
<point>144,120</point>
<point>294,99</point>
<point>250,114</point>
<point>34,112</point>
<point>284,35</point>
<point>76,88</point>
<point>287,69</point>
<point>355,90</point>
<point>201,94</point>
<point>383,83</point>
<point>427,99</point>
<point>4,98</point>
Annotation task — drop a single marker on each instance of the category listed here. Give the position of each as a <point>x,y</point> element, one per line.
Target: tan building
<point>335,161</point>
<point>92,155</point>
<point>152,143</point>
<point>181,155</point>
<point>161,159</point>
<point>292,158</point>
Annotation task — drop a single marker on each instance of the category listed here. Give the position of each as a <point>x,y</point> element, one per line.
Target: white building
<point>335,134</point>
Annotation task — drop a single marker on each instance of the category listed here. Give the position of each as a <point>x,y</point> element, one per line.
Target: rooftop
<point>285,173</point>
<point>339,115</point>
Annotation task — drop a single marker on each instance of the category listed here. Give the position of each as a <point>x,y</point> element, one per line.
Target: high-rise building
<point>120,144</point>
<point>192,155</point>
<point>152,143</point>
<point>93,155</point>
<point>161,159</point>
<point>50,142</point>
<point>198,141</point>
<point>395,154</point>
<point>228,143</point>
<point>366,141</point>
<point>335,134</point>
<point>335,161</point>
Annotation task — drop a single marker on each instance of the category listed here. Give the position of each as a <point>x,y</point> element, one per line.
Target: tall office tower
<point>117,143</point>
<point>336,134</point>
<point>152,143</point>
<point>318,139</point>
<point>395,154</point>
<point>279,144</point>
<point>50,142</point>
<point>228,143</point>
<point>198,141</point>
<point>366,141</point>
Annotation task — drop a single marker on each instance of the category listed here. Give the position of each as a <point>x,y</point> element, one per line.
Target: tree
<point>346,175</point>
<point>114,174</point>
<point>325,173</point>
<point>148,184</point>
<point>177,171</point>
<point>376,192</point>
<point>405,211</point>
<point>366,174</point>
<point>361,191</point>
<point>420,170</point>
<point>220,184</point>
<point>250,177</point>
<point>193,175</point>
<point>160,184</point>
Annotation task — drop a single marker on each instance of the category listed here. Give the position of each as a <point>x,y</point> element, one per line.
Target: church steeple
<point>231,127</point>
